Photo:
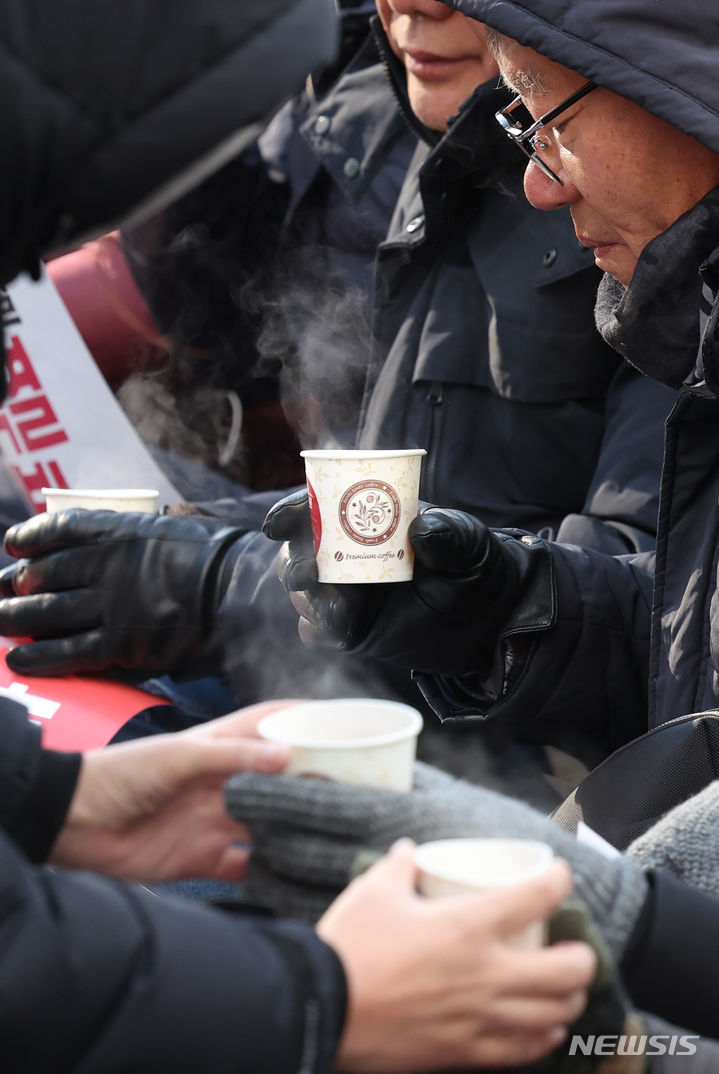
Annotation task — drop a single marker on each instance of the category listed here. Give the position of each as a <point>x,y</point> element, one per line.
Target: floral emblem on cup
<point>369,512</point>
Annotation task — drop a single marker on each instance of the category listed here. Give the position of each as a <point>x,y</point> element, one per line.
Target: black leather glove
<point>472,586</point>
<point>102,590</point>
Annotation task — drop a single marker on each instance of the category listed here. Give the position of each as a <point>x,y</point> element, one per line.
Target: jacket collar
<point>655,323</point>
<point>474,141</point>
<point>347,134</point>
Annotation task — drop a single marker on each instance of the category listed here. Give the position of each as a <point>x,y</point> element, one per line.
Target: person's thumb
<point>514,907</point>
<point>397,867</point>
<point>449,541</point>
<point>289,518</point>
<point>224,757</point>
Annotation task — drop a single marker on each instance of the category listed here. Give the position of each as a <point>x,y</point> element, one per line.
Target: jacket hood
<point>114,108</point>
<point>662,54</point>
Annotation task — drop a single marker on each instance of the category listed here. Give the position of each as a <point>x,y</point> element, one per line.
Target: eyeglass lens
<point>518,124</point>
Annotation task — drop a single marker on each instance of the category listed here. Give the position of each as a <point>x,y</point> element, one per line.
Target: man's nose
<point>432,9</point>
<point>544,193</point>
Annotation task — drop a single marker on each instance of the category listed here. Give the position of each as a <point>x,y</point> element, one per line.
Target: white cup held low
<point>349,740</point>
<point>467,866</point>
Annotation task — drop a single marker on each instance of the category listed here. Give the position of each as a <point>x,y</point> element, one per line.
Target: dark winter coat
<point>125,981</point>
<point>90,96</point>
<point>636,639</point>
<point>102,105</point>
<point>634,645</point>
<point>485,352</point>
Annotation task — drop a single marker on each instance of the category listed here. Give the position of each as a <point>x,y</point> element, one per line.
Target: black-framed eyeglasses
<point>517,122</point>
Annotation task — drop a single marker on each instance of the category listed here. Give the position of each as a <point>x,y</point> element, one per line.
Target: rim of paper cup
<point>105,494</point>
<point>328,453</point>
<point>458,877</point>
<point>412,729</point>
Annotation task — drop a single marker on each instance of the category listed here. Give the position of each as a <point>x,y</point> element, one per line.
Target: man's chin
<point>616,280</point>
<point>610,260</point>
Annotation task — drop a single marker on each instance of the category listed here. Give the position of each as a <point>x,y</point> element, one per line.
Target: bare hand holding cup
<point>152,809</point>
<point>439,984</point>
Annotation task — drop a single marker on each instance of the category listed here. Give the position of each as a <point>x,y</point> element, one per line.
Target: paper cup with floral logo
<point>362,503</point>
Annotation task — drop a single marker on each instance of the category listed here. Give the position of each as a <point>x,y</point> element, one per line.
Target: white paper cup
<point>468,866</point>
<point>349,740</point>
<point>101,499</point>
<point>362,503</point>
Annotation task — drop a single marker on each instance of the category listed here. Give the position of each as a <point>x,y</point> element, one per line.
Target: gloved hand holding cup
<point>371,742</point>
<point>468,589</point>
<point>99,590</point>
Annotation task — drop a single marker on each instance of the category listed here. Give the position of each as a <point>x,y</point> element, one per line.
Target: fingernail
<point>401,846</point>
<point>273,752</point>
<point>557,1035</point>
<point>578,1000</point>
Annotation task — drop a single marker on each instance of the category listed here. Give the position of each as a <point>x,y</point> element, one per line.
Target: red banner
<point>61,426</point>
<point>75,712</point>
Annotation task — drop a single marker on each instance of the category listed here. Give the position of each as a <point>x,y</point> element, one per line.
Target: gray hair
<point>494,39</point>
<point>525,83</point>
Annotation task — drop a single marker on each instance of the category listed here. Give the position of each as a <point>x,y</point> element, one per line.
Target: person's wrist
<point>638,939</point>
<point>231,547</point>
<point>197,644</point>
<point>66,849</point>
<point>37,827</point>
<point>615,891</point>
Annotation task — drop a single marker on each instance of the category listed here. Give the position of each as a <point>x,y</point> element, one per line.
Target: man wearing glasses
<point>536,634</point>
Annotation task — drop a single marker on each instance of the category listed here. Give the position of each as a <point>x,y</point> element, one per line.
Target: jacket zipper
<point>435,398</point>
<point>424,133</point>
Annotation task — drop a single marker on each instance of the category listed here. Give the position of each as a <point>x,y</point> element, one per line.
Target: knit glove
<point>608,1010</point>
<point>307,835</point>
<point>684,842</point>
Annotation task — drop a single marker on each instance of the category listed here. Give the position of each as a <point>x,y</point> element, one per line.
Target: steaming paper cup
<point>102,499</point>
<point>362,503</point>
<point>349,740</point>
<point>466,866</point>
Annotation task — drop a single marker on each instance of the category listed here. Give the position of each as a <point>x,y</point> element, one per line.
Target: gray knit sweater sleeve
<point>685,842</point>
